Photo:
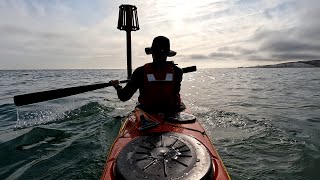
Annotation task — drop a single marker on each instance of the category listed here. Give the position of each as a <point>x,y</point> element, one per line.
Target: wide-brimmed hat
<point>160,44</point>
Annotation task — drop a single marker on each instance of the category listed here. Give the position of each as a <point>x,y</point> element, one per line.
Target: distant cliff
<point>298,64</point>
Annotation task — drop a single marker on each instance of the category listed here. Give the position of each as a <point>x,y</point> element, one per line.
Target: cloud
<point>38,30</point>
<point>15,31</point>
<point>296,56</point>
<point>216,55</point>
<point>84,33</point>
<point>199,56</point>
<point>286,31</point>
<point>299,40</point>
<point>289,45</point>
<point>236,49</point>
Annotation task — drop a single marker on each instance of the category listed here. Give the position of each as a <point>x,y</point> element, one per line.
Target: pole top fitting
<point>128,18</point>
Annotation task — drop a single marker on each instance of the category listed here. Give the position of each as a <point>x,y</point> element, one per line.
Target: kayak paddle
<point>36,97</point>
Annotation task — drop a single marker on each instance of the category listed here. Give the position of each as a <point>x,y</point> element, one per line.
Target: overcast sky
<point>83,34</point>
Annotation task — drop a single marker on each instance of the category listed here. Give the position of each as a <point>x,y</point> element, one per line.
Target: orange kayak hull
<point>130,131</point>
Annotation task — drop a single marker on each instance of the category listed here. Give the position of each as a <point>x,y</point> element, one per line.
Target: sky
<point>83,34</point>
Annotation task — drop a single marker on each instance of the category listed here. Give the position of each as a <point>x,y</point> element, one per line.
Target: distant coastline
<point>298,64</point>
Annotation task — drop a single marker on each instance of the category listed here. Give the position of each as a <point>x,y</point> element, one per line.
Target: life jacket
<point>159,91</point>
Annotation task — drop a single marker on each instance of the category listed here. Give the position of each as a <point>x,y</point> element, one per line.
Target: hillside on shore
<point>298,64</point>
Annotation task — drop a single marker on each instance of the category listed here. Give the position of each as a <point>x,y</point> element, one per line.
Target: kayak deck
<point>131,130</point>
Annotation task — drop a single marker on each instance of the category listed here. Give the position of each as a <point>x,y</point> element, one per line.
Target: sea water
<point>264,123</point>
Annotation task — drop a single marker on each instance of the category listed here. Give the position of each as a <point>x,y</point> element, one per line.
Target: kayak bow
<point>158,146</point>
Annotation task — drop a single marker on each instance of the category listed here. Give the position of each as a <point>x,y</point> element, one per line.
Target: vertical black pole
<point>128,21</point>
<point>129,68</point>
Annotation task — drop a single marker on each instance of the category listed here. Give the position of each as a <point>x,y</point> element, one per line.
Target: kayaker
<point>158,82</point>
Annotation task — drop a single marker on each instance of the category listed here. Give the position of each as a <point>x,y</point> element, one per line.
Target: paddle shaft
<point>36,97</point>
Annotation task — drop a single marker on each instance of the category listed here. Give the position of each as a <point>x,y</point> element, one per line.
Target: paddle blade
<point>189,69</point>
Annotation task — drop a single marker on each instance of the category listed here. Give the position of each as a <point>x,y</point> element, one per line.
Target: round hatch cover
<point>164,156</point>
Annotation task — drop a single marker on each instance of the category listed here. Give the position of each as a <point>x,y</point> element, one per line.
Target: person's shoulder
<point>138,72</point>
<point>139,69</point>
